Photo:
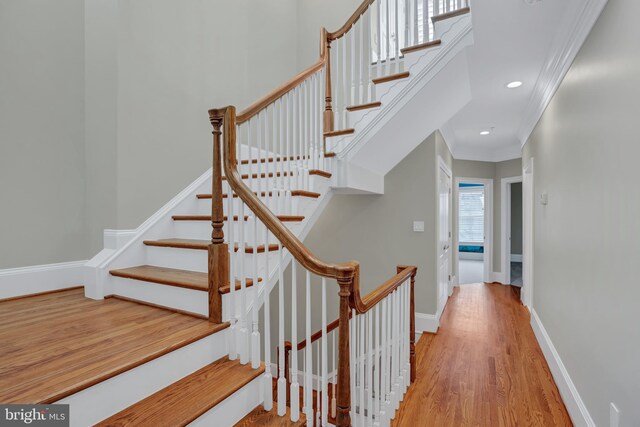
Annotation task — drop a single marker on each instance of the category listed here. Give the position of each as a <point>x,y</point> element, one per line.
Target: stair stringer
<point>413,108</point>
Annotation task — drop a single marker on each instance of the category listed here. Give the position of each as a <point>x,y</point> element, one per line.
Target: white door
<point>526,293</point>
<point>444,239</point>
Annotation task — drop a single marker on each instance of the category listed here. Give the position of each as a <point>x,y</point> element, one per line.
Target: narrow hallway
<point>484,367</point>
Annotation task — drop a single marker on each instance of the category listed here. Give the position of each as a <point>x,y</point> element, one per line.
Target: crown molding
<point>574,31</point>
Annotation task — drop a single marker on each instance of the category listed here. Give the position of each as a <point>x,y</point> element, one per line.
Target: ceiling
<point>514,40</point>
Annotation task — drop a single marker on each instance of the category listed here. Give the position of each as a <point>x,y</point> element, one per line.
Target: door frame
<point>444,168</point>
<point>488,224</point>
<point>528,210</point>
<point>505,232</point>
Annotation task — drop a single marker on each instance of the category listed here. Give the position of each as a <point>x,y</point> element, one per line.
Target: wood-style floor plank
<point>484,367</point>
<point>55,345</point>
<point>262,418</point>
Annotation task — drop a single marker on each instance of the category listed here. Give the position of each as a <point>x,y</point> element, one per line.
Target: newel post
<point>326,50</point>
<point>343,418</point>
<point>218,249</point>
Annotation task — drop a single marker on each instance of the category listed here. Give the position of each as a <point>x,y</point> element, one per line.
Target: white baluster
<point>231,335</point>
<point>308,380</point>
<point>369,352</point>
<point>362,58</point>
<point>295,388</point>
<point>396,35</point>
<point>334,371</point>
<point>255,334</point>
<point>425,21</point>
<point>378,364</point>
<point>387,37</point>
<point>318,387</point>
<point>325,388</point>
<point>385,366</point>
<point>268,381</point>
<point>361,362</point>
<point>282,382</point>
<point>379,39</point>
<point>243,335</point>
<point>352,362</point>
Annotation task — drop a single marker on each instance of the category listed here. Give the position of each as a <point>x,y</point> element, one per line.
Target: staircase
<point>229,248</point>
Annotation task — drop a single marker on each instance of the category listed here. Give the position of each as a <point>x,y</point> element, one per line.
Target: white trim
<point>449,175</point>
<point>505,226</point>
<point>572,400</point>
<point>498,277</point>
<point>116,239</point>
<point>567,43</point>
<point>21,281</point>
<point>488,223</point>
<point>427,323</point>
<point>528,238</point>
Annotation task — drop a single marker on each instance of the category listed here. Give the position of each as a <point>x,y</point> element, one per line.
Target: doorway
<point>444,235</point>
<point>474,225</point>
<point>512,231</point>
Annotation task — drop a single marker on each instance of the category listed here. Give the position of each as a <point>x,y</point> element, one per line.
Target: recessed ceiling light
<point>485,132</point>
<point>514,85</point>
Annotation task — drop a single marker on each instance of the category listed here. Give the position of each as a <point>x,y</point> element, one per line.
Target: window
<point>471,213</point>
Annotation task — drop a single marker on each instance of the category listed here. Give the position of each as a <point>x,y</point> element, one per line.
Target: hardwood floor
<point>56,344</point>
<point>483,368</point>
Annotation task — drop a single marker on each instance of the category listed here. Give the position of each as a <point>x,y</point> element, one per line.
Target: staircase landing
<point>56,344</point>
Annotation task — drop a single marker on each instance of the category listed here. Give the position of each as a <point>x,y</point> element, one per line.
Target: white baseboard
<point>572,400</point>
<point>427,323</point>
<point>498,277</point>
<point>15,282</point>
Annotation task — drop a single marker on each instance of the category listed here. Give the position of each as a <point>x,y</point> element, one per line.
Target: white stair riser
<point>202,230</point>
<point>176,297</point>
<point>197,259</point>
<point>106,398</point>
<point>169,296</point>
<point>233,408</point>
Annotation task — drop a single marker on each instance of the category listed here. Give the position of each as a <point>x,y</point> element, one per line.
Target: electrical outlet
<point>614,415</point>
<point>418,226</point>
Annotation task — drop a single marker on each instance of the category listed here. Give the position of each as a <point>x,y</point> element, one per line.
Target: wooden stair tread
<point>329,154</point>
<point>262,175</point>
<point>364,107</point>
<point>195,280</point>
<point>294,193</point>
<point>200,245</point>
<point>273,159</point>
<point>339,132</point>
<point>283,218</point>
<point>260,417</point>
<point>185,400</point>
<point>391,77</point>
<point>319,172</point>
<point>427,45</point>
<point>451,14</point>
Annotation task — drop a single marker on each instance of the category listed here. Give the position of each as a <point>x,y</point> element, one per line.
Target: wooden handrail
<point>362,305</point>
<point>278,93</point>
<point>352,20</point>
<point>298,250</point>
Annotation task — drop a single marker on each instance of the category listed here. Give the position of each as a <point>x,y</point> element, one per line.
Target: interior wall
<point>486,170</point>
<point>312,15</point>
<point>356,227</point>
<point>176,60</point>
<point>586,245</point>
<point>42,172</point>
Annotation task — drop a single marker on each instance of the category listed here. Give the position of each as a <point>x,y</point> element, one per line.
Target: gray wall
<point>516,218</point>
<point>487,170</point>
<point>377,230</point>
<point>42,173</point>
<point>586,151</point>
<point>103,108</point>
